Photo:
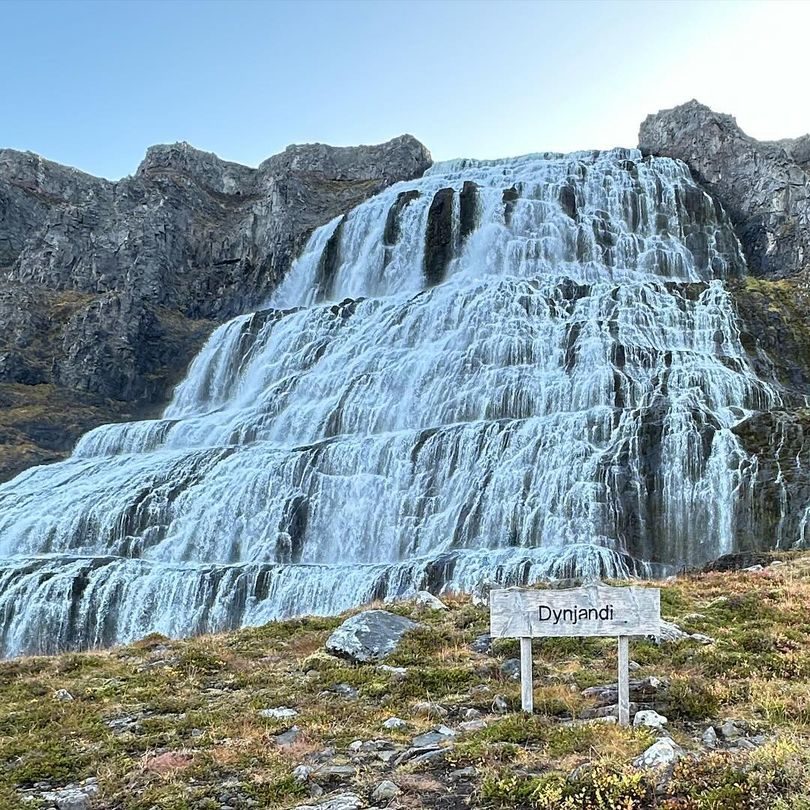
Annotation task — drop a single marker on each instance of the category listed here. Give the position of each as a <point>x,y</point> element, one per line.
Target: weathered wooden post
<point>592,610</point>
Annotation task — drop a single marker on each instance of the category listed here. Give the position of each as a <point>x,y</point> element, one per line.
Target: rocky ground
<point>417,707</point>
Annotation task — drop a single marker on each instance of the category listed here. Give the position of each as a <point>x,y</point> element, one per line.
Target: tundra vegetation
<point>176,724</point>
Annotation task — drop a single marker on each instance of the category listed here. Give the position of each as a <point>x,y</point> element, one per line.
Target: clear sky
<point>92,84</point>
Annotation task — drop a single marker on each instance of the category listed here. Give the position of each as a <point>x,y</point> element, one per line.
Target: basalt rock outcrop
<point>108,289</point>
<point>763,185</point>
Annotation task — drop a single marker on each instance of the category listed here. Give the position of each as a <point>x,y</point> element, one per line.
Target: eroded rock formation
<point>107,289</point>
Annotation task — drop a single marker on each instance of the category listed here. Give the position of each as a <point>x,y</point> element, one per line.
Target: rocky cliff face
<point>765,188</point>
<point>107,289</point>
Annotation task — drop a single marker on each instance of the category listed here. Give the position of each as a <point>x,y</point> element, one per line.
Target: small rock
<point>343,801</point>
<point>663,752</point>
<point>510,669</point>
<point>428,709</point>
<point>72,797</point>
<point>499,705</point>
<point>607,720</point>
<point>471,714</point>
<point>463,773</point>
<point>356,745</point>
<point>671,632</point>
<point>710,737</point>
<point>398,673</point>
<point>472,725</point>
<point>333,773</point>
<point>649,719</point>
<point>62,695</point>
<point>288,738</point>
<point>385,791</point>
<point>428,600</point>
<point>482,644</point>
<point>301,773</point>
<point>431,739</point>
<point>395,724</point>
<point>281,713</point>
<point>730,730</point>
<point>345,690</point>
<point>611,710</point>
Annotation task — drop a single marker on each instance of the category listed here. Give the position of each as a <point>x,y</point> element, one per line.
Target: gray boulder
<point>662,753</point>
<point>369,636</point>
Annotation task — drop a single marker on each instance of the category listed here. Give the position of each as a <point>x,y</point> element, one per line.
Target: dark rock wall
<point>765,188</point>
<point>108,289</point>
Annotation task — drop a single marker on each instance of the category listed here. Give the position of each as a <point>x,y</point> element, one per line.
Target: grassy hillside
<point>177,724</point>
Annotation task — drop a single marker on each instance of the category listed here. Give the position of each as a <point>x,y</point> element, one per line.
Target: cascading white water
<point>502,371</point>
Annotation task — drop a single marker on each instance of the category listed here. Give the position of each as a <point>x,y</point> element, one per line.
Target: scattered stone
<point>730,730</point>
<point>463,773</point>
<point>332,773</point>
<point>671,632</point>
<point>710,737</point>
<point>499,705</point>
<point>471,714</point>
<point>607,720</point>
<point>343,801</point>
<point>649,719</point>
<point>430,739</point>
<point>62,695</point>
<point>395,724</point>
<point>72,797</point>
<point>288,738</point>
<point>428,709</point>
<point>121,725</point>
<point>398,673</point>
<point>302,773</point>
<point>482,644</point>
<point>385,791</point>
<point>428,600</point>
<point>369,636</point>
<point>280,713</point>
<point>510,669</point>
<point>611,710</point>
<point>345,690</point>
<point>663,752</point>
<point>472,725</point>
<point>639,688</point>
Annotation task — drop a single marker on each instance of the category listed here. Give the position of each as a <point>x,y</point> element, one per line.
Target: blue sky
<point>92,84</point>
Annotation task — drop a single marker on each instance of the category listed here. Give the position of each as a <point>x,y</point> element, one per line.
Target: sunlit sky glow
<point>92,84</point>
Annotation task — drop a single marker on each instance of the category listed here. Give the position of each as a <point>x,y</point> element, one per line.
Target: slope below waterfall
<point>504,370</point>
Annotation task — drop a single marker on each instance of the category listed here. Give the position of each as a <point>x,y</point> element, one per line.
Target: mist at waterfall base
<point>501,372</point>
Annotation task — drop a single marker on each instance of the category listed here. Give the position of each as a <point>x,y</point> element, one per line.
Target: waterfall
<point>501,372</point>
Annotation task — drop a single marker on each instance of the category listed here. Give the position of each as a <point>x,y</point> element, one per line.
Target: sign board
<point>592,610</point>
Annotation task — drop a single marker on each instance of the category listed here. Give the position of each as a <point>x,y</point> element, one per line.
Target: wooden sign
<point>592,610</point>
